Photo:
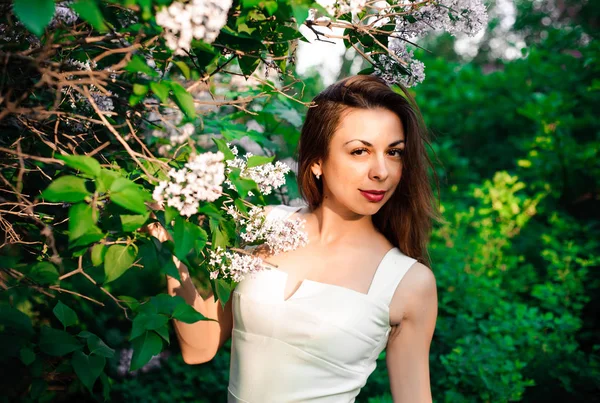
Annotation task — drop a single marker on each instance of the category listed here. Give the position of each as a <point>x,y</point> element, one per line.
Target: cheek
<point>396,174</point>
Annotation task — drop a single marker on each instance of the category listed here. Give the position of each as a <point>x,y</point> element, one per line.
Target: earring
<point>318,176</point>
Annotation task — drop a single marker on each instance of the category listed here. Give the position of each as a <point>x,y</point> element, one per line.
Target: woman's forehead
<point>371,125</point>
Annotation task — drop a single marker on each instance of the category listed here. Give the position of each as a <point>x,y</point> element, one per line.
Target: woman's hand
<point>158,231</point>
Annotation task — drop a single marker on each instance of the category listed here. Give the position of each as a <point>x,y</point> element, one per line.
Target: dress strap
<point>390,272</point>
<point>282,211</point>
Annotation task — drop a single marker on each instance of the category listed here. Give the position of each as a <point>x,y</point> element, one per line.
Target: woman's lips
<point>372,195</point>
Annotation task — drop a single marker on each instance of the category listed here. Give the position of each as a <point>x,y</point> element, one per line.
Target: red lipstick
<point>373,195</point>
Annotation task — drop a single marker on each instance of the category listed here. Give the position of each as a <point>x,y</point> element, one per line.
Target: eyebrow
<point>395,143</point>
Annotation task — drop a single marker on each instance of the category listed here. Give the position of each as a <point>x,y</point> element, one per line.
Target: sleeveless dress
<point>319,345</point>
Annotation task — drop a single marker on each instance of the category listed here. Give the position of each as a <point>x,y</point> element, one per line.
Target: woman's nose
<point>378,170</point>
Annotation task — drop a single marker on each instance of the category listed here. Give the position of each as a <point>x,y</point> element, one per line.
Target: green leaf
<point>106,386</point>
<point>34,14</point>
<point>82,219</point>
<point>367,71</point>
<point>187,314</point>
<point>219,236</point>
<point>89,11</point>
<point>144,348</point>
<point>137,64</point>
<point>43,273</point>
<point>161,90</point>
<point>222,146</point>
<point>242,185</point>
<point>170,214</point>
<point>97,254</point>
<point>127,194</point>
<point>38,386</point>
<point>26,355</point>
<point>93,235</point>
<point>185,70</point>
<point>96,345</point>
<point>86,165</point>
<point>250,3</point>
<point>187,235</point>
<point>133,222</point>
<point>184,100</point>
<point>57,342</point>
<point>65,315</point>
<point>248,64</point>
<point>300,12</point>
<point>165,261</point>
<point>131,302</point>
<point>166,303</point>
<point>271,6</point>
<point>15,322</point>
<point>140,89</point>
<point>118,259</point>
<point>223,290</point>
<point>70,189</point>
<point>257,160</point>
<point>144,321</point>
<point>88,368</point>
<point>105,180</point>
<point>163,332</point>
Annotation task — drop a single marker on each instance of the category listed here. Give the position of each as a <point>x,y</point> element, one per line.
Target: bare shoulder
<point>269,208</point>
<point>416,292</point>
<point>420,279</point>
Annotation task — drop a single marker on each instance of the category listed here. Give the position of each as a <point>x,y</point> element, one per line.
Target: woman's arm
<point>199,341</point>
<point>407,356</point>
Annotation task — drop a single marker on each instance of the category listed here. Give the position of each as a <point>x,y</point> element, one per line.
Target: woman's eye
<point>358,151</point>
<point>397,152</point>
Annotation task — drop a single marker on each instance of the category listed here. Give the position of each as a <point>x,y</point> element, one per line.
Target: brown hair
<point>406,219</point>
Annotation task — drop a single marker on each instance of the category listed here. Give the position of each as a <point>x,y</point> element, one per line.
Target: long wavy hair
<point>406,219</point>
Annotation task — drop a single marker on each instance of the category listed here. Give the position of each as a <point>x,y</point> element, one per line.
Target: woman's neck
<point>336,224</point>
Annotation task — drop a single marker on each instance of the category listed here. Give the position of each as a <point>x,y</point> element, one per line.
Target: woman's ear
<point>316,169</point>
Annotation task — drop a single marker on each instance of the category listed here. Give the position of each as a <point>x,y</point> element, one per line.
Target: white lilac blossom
<point>413,19</point>
<point>233,265</point>
<point>339,7</point>
<point>64,14</point>
<point>389,69</point>
<point>196,19</point>
<point>102,99</point>
<point>267,176</point>
<point>280,235</point>
<point>175,135</point>
<point>199,180</point>
<point>453,16</point>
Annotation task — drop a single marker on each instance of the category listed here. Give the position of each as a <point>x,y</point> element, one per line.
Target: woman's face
<point>364,164</point>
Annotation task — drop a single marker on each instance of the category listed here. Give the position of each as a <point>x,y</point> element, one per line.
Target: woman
<point>312,329</point>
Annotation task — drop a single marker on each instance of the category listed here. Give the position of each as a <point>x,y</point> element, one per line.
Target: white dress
<point>319,345</point>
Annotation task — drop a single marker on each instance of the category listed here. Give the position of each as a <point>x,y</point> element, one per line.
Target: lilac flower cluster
<point>267,176</point>
<point>103,99</point>
<point>175,135</point>
<point>411,20</point>
<point>226,264</point>
<point>196,19</point>
<point>388,64</point>
<point>339,7</point>
<point>199,180</point>
<point>280,235</point>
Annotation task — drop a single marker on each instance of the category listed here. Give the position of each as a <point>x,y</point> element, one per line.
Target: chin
<point>367,208</point>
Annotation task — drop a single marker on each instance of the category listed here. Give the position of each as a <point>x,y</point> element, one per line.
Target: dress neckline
<point>322,284</point>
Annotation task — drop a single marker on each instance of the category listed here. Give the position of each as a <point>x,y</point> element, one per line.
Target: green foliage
<point>34,14</point>
<point>516,260</point>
